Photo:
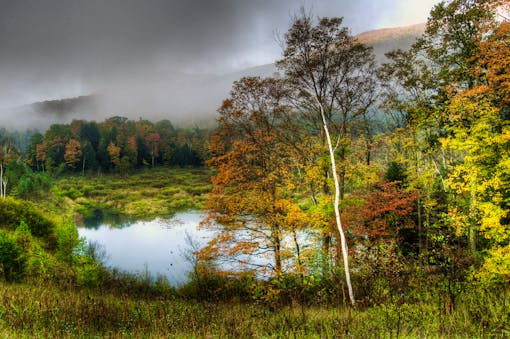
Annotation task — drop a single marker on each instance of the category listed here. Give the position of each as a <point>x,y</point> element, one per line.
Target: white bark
<point>343,242</point>
<point>4,184</point>
<point>1,180</point>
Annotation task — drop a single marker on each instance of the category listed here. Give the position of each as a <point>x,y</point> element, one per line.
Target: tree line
<point>115,145</point>
<point>304,169</point>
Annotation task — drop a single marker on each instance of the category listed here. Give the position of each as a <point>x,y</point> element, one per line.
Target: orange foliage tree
<point>249,198</point>
<point>114,154</point>
<point>73,153</point>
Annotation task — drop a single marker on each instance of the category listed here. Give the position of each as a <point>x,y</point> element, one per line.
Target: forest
<point>379,193</point>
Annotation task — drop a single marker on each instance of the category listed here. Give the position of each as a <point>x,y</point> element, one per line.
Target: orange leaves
<point>41,152</point>
<point>495,61</point>
<point>253,162</point>
<point>73,153</point>
<point>131,144</point>
<point>114,153</point>
<point>382,212</point>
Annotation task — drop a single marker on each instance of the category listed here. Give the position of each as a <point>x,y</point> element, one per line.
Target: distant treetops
<point>116,144</point>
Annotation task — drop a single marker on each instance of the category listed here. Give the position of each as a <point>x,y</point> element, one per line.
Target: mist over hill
<point>186,99</point>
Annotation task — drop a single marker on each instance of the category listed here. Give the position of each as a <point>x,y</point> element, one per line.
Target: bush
<point>67,239</point>
<point>13,212</point>
<point>12,260</point>
<point>88,270</point>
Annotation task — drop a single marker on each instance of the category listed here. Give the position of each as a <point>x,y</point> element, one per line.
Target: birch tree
<point>329,70</point>
<point>8,152</point>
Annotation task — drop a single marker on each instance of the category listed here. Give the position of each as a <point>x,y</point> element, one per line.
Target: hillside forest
<point>377,189</point>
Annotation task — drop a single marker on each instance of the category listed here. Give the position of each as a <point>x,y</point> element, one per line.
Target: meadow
<point>50,311</point>
<point>141,194</point>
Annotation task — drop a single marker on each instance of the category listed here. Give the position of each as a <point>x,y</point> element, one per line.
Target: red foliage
<point>382,212</point>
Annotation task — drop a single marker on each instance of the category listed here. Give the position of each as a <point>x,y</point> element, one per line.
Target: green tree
<point>8,152</point>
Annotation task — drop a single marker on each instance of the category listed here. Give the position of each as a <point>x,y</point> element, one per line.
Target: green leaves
<point>13,212</point>
<point>12,259</point>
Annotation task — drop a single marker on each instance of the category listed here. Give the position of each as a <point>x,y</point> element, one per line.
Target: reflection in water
<point>156,245</point>
<point>100,217</point>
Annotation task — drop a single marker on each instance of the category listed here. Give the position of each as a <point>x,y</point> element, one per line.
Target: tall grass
<point>142,194</point>
<point>36,311</point>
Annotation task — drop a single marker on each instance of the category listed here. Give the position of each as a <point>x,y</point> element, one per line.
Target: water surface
<point>157,246</point>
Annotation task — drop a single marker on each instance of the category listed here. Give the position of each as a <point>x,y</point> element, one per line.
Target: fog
<point>172,59</point>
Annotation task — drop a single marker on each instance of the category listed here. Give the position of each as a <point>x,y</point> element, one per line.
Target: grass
<point>143,194</point>
<point>36,311</point>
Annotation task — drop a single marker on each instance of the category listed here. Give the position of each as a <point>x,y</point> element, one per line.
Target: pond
<point>158,246</point>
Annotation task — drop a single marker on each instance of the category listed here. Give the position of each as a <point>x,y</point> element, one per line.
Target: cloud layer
<point>60,48</point>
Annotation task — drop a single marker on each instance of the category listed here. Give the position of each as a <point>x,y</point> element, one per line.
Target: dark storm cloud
<point>60,48</point>
<point>99,35</point>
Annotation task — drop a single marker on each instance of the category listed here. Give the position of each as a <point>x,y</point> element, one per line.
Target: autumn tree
<point>480,180</point>
<point>248,194</point>
<point>384,211</point>
<point>479,133</point>
<point>442,86</point>
<point>493,64</point>
<point>114,154</point>
<point>331,74</point>
<point>152,141</point>
<point>73,153</point>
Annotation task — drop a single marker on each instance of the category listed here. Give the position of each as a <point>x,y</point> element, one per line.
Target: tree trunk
<point>277,250</point>
<point>326,244</point>
<point>4,188</point>
<point>337,211</point>
<point>298,249</point>
<point>2,180</point>
<point>420,242</point>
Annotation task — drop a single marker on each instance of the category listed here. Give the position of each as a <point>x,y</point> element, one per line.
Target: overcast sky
<point>52,49</point>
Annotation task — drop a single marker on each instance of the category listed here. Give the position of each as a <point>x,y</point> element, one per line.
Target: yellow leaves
<point>458,220</point>
<point>243,247</point>
<point>480,177</point>
<point>497,265</point>
<point>490,222</point>
<point>292,216</point>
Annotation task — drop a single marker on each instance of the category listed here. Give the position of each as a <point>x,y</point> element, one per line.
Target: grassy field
<point>143,194</point>
<point>32,311</point>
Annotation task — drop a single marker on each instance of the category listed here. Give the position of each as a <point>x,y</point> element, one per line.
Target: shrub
<point>24,182</point>
<point>13,212</point>
<point>12,260</point>
<point>67,239</point>
<point>88,270</point>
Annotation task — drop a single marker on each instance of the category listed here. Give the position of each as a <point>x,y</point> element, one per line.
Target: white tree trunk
<point>343,242</point>
<point>1,180</point>
<point>4,187</point>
